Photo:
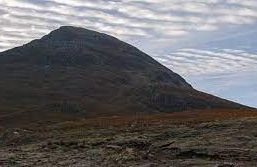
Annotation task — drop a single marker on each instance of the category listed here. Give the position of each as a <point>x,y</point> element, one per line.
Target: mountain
<point>75,70</point>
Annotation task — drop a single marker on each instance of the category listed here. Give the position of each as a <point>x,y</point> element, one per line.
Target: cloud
<point>236,86</point>
<point>198,62</point>
<point>126,19</point>
<point>191,37</point>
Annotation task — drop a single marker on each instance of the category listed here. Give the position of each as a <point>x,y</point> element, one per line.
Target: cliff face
<point>77,70</point>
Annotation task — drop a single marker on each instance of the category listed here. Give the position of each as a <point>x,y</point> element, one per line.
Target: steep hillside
<point>74,70</point>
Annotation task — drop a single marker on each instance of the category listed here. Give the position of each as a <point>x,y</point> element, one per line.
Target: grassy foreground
<point>217,138</point>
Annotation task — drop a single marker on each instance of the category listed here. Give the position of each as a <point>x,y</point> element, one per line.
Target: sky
<point>211,43</point>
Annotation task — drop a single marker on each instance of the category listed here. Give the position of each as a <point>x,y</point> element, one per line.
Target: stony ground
<point>216,143</point>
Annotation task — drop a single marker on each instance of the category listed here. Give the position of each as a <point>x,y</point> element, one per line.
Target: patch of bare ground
<point>221,138</point>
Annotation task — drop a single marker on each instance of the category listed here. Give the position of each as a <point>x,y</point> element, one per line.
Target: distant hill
<point>75,70</point>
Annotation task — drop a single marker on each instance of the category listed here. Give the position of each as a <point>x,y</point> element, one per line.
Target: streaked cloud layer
<point>211,61</point>
<point>23,20</point>
<point>192,37</point>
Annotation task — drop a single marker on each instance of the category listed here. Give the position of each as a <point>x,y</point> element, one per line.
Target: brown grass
<point>143,119</point>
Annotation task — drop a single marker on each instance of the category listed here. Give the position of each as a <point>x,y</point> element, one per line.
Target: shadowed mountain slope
<point>74,70</point>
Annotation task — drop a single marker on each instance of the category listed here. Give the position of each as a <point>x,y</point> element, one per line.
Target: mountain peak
<point>95,72</point>
<point>70,33</point>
